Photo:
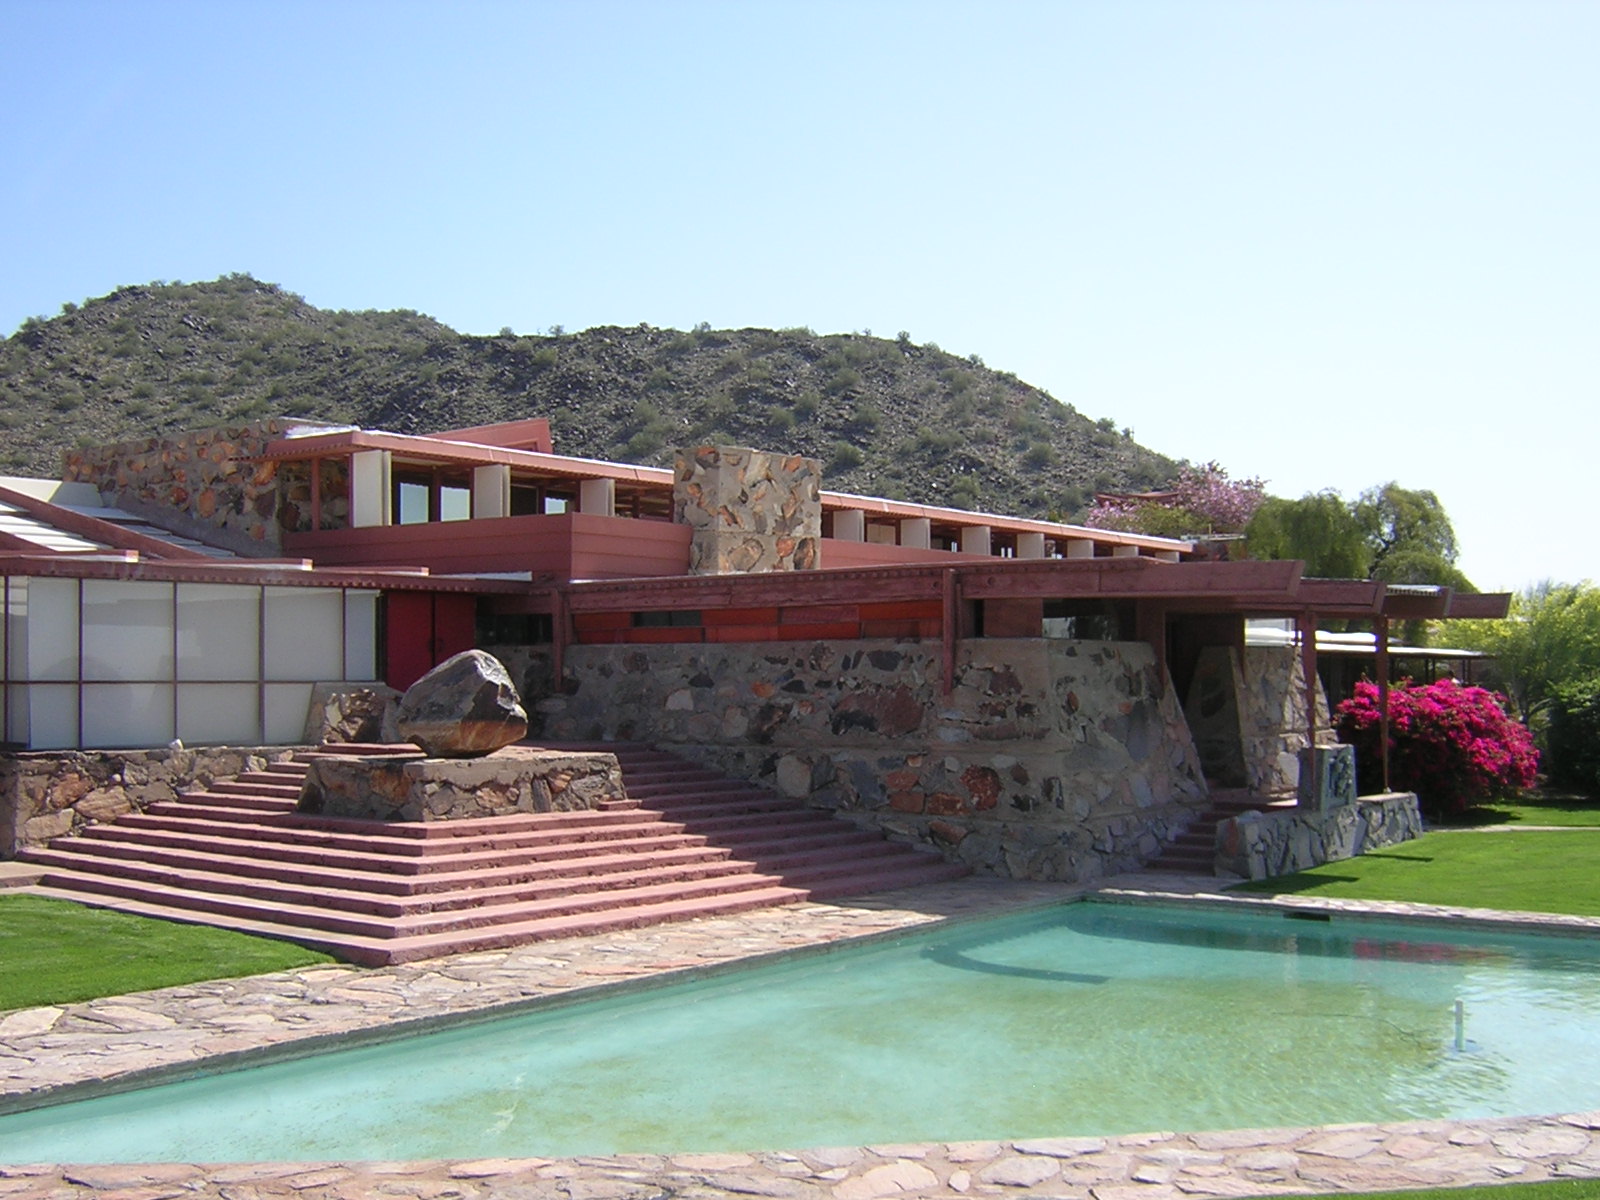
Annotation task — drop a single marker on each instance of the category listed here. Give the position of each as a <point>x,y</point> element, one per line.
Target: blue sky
<point>1330,244</point>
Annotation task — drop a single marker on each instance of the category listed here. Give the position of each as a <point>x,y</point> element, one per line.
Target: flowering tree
<point>1452,745</point>
<point>1203,500</point>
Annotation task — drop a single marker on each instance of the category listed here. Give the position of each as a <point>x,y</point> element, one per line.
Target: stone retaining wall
<point>1050,759</point>
<point>1265,845</point>
<point>1248,715</point>
<point>202,484</point>
<point>45,794</point>
<point>514,779</point>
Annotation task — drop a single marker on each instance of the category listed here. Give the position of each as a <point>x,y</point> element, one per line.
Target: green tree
<point>1410,537</point>
<point>1550,637</point>
<point>1320,528</point>
<point>1389,532</point>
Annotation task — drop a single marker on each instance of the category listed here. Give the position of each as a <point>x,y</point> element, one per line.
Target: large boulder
<point>465,707</point>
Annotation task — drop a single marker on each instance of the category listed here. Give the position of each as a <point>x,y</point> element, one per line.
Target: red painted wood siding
<point>565,545</point>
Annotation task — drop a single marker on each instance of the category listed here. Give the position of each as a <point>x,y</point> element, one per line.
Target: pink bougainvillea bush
<point>1202,500</point>
<point>1451,745</point>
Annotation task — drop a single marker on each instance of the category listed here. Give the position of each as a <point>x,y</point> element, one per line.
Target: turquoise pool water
<point>1084,1019</point>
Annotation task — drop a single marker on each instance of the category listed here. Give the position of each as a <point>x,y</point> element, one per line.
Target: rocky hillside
<point>887,417</point>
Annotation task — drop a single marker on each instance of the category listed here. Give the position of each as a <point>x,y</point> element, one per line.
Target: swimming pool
<point>1088,1018</point>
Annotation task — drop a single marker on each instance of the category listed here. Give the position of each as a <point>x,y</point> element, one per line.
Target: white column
<point>491,490</point>
<point>880,535</point>
<point>1167,555</point>
<point>849,524</point>
<point>1125,552</point>
<point>1078,548</point>
<point>916,532</point>
<point>369,488</point>
<point>598,496</point>
<point>1030,545</point>
<point>975,539</point>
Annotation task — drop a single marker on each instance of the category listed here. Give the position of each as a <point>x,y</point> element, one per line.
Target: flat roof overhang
<point>442,449</point>
<point>129,566</point>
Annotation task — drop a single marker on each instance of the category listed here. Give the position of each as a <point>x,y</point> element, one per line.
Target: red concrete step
<point>325,893</point>
<point>690,843</point>
<point>257,783</point>
<point>399,855</point>
<point>381,919</point>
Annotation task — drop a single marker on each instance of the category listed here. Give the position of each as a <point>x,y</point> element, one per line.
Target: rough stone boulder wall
<point>465,707</point>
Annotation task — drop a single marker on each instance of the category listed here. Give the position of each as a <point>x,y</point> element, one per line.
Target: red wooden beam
<point>1479,606</point>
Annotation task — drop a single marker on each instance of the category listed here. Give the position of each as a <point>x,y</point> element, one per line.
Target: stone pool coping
<point>64,1051</point>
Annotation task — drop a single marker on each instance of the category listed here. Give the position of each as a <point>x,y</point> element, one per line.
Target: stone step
<point>691,843</point>
<point>367,874</point>
<point>428,836</point>
<point>327,920</point>
<point>256,783</point>
<point>403,859</point>
<point>472,891</point>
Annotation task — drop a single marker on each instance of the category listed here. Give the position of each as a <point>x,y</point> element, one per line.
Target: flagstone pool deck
<point>152,1035</point>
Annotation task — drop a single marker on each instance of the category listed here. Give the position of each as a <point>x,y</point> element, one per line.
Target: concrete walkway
<point>82,1048</point>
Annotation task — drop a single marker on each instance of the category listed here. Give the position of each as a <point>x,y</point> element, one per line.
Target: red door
<point>421,630</point>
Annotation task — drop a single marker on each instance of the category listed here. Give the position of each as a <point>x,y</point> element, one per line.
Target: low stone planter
<point>47,794</point>
<point>1259,845</point>
<point>516,779</point>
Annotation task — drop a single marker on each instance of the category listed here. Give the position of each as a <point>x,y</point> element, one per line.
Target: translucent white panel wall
<point>116,663</point>
<point>127,714</point>
<point>51,621</point>
<point>219,631</point>
<point>361,636</point>
<point>302,633</point>
<point>219,662</point>
<point>127,631</point>
<point>49,626</point>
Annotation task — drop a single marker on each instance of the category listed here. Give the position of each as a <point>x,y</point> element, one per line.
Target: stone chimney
<point>750,510</point>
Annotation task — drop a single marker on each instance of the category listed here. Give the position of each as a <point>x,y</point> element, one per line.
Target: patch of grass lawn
<point>57,952</point>
<point>1536,808</point>
<point>1553,1189</point>
<point>1554,872</point>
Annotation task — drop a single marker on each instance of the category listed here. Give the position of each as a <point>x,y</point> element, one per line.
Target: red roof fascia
<point>530,434</point>
<point>69,566</point>
<point>346,441</point>
<point>1479,606</point>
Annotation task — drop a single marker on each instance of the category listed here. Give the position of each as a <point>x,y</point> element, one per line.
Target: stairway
<point>1194,851</point>
<point>687,843</point>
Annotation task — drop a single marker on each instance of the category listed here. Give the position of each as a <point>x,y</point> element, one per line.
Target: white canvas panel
<point>16,727</point>
<point>283,712</point>
<point>52,715</point>
<point>219,714</point>
<point>51,620</point>
<point>127,714</point>
<point>302,633</point>
<point>361,635</point>
<point>127,630</point>
<point>219,631</point>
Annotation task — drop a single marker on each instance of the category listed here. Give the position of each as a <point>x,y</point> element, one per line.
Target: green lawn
<point>1555,872</point>
<point>56,952</point>
<point>1554,1189</point>
<point>1537,808</point>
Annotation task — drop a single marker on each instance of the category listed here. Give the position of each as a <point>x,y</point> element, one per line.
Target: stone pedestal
<point>516,779</point>
<point>750,511</point>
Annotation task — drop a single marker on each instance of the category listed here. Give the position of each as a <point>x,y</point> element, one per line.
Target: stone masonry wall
<point>1248,716</point>
<point>1272,717</point>
<point>199,484</point>
<point>749,510</point>
<point>1049,760</point>
<point>1264,845</point>
<point>46,794</point>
